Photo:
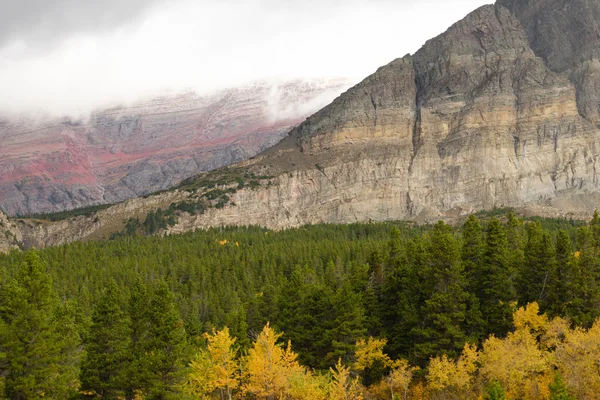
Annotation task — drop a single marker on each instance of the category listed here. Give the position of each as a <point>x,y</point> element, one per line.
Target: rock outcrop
<point>125,152</point>
<point>488,114</point>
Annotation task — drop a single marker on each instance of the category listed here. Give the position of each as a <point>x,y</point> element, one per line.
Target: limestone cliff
<point>480,117</point>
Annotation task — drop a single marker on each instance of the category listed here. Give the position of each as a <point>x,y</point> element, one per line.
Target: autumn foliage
<point>537,359</point>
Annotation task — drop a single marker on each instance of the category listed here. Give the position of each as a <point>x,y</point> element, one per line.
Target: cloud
<point>86,55</point>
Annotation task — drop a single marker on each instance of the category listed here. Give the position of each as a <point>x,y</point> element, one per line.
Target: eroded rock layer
<point>120,153</point>
<point>492,113</point>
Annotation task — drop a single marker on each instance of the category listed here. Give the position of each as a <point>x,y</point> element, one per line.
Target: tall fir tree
<point>138,310</point>
<point>164,346</point>
<point>560,288</point>
<point>472,246</point>
<point>105,365</point>
<point>450,309</point>
<point>584,282</point>
<point>494,281</point>
<point>36,337</point>
<point>539,268</point>
<point>558,389</point>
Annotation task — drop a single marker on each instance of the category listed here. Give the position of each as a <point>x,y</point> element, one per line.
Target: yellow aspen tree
<point>304,385</point>
<point>457,377</point>
<point>400,378</point>
<point>268,366</point>
<point>578,359</point>
<point>370,351</point>
<point>517,362</point>
<point>342,385</point>
<point>216,368</point>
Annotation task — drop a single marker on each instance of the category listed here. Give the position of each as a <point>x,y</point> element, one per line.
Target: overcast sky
<point>72,56</point>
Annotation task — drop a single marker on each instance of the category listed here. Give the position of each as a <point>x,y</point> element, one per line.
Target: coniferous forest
<point>497,308</point>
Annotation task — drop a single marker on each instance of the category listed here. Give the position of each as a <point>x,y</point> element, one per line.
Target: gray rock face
<point>58,164</point>
<point>478,118</point>
<point>566,35</point>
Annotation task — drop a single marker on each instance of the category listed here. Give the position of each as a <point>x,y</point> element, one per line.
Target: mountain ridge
<point>474,120</point>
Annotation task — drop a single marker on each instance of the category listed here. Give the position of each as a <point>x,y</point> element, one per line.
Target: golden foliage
<point>578,358</point>
<point>370,351</point>
<point>400,378</point>
<point>446,374</point>
<point>306,386</point>
<point>268,366</point>
<point>517,362</point>
<point>214,368</point>
<point>342,385</point>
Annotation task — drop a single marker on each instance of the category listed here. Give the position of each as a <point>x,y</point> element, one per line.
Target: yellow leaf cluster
<point>268,366</point>
<point>444,373</point>
<point>370,351</point>
<point>342,385</point>
<point>214,368</point>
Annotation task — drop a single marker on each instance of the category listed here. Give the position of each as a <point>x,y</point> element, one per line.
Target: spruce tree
<point>558,389</point>
<point>105,365</point>
<point>164,347</point>
<point>559,290</point>
<point>138,310</point>
<point>447,312</point>
<point>584,281</point>
<point>494,281</point>
<point>494,391</point>
<point>37,337</point>
<point>403,294</point>
<point>472,246</point>
<point>540,266</point>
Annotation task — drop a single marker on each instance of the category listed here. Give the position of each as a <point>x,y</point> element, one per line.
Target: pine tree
<point>138,310</point>
<point>33,324</point>
<point>494,391</point>
<point>558,389</point>
<point>107,345</point>
<point>494,281</point>
<point>164,346</point>
<point>539,268</point>
<point>447,313</point>
<point>472,246</point>
<point>403,292</point>
<point>560,287</point>
<point>515,233</point>
<point>584,282</point>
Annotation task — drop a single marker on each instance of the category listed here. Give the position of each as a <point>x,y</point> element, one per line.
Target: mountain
<point>501,110</point>
<point>51,165</point>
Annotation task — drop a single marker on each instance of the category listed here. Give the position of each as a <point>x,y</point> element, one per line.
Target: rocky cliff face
<point>54,165</point>
<point>566,35</point>
<point>480,117</point>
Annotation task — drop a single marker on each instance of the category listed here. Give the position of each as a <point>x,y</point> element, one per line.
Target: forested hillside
<point>499,307</point>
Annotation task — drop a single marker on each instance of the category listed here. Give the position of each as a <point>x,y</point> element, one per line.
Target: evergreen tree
<point>494,391</point>
<point>403,293</point>
<point>584,305</point>
<point>515,233</point>
<point>107,345</point>
<point>560,287</point>
<point>472,246</point>
<point>138,310</point>
<point>493,281</point>
<point>164,346</point>
<point>40,359</point>
<point>446,313</point>
<point>558,389</point>
<point>539,268</point>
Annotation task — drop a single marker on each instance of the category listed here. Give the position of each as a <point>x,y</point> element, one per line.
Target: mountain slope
<point>474,120</point>
<point>125,152</point>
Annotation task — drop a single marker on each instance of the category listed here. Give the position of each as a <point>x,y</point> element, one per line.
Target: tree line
<point>137,317</point>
